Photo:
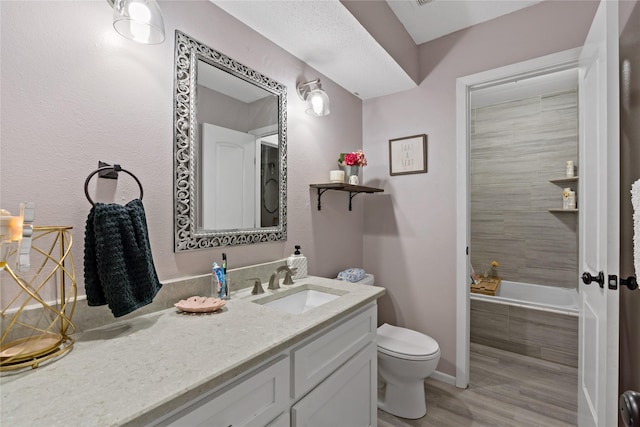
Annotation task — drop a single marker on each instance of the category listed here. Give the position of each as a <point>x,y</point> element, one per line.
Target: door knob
<point>630,282</point>
<point>630,407</point>
<point>587,278</point>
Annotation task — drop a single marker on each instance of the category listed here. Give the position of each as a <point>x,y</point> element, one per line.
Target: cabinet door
<point>316,360</point>
<point>283,420</point>
<point>347,398</point>
<point>251,401</point>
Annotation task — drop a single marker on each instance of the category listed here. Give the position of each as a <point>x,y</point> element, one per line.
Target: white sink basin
<point>300,301</point>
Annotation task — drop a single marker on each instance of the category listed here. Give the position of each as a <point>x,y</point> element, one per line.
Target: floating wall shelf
<point>563,210</point>
<point>338,186</point>
<point>562,180</point>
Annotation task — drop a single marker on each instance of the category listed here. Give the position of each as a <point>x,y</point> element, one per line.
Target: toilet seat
<point>406,344</point>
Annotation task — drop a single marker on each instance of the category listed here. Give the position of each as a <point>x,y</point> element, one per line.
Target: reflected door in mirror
<point>228,179</point>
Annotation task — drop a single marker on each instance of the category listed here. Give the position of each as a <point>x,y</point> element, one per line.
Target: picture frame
<point>408,155</point>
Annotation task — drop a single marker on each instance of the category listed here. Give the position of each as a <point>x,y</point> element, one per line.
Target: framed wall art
<point>408,155</point>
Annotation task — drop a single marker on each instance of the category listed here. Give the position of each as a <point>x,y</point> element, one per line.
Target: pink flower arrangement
<point>355,158</point>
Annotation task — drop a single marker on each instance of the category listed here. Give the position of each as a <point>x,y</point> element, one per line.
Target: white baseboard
<point>442,377</point>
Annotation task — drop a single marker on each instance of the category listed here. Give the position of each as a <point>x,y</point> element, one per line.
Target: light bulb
<point>317,104</point>
<point>138,20</point>
<point>139,12</point>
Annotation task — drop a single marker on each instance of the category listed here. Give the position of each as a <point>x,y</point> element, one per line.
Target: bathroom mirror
<point>230,153</point>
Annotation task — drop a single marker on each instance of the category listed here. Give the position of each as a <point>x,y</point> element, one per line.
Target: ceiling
<point>437,18</point>
<point>326,36</point>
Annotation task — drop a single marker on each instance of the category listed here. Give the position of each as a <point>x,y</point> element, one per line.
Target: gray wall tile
<point>535,333</point>
<point>516,148</point>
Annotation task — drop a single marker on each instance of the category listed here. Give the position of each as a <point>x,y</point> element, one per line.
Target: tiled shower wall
<point>536,333</point>
<point>516,148</point>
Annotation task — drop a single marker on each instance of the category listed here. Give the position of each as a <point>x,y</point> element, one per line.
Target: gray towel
<point>118,266</point>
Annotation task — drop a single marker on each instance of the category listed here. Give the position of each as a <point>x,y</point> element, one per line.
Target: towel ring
<point>115,168</point>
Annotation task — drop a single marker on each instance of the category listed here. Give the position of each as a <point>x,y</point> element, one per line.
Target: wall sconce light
<point>317,99</point>
<point>138,20</point>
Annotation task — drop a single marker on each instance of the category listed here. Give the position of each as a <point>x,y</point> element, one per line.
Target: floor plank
<point>506,390</point>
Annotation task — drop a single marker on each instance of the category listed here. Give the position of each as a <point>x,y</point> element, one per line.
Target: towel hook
<point>115,169</point>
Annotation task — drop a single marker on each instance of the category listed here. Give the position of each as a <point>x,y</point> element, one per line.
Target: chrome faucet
<point>288,280</point>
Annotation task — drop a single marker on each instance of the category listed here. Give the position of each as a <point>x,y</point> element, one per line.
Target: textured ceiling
<point>325,35</point>
<point>437,18</point>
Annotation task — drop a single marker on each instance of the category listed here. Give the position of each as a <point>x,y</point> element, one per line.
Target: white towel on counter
<point>635,200</point>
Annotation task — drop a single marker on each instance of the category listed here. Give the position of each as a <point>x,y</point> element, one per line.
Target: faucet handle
<point>288,276</point>
<point>257,286</point>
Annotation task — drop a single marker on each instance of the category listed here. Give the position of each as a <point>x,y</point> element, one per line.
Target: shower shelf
<point>561,180</point>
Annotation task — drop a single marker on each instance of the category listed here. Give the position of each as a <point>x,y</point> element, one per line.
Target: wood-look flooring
<point>506,390</point>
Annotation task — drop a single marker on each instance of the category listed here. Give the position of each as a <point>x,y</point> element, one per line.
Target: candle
<point>16,225</point>
<point>336,176</point>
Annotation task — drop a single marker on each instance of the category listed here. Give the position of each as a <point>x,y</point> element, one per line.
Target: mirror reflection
<point>238,124</point>
<point>230,151</point>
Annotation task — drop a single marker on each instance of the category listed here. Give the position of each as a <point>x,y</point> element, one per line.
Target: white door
<point>228,178</point>
<point>599,220</point>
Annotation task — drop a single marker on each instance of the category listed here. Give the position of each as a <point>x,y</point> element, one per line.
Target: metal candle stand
<point>31,335</point>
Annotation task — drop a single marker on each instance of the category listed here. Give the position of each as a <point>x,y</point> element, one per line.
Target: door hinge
<point>613,282</point>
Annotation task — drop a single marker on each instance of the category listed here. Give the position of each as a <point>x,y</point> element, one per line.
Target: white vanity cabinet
<point>328,379</point>
<point>320,355</point>
<point>347,398</point>
<point>283,420</point>
<point>253,400</point>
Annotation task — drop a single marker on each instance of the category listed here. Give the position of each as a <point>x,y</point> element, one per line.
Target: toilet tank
<point>368,279</point>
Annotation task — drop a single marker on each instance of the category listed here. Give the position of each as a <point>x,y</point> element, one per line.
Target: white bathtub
<point>537,297</point>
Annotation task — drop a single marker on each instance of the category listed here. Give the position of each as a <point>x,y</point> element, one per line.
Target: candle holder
<point>37,306</point>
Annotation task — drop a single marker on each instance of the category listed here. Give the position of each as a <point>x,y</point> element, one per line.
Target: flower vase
<point>350,171</point>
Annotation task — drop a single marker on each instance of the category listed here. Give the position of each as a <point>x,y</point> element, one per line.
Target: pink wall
<point>409,238</point>
<point>74,92</point>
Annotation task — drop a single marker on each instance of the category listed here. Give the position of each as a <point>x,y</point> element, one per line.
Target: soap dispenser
<point>298,261</point>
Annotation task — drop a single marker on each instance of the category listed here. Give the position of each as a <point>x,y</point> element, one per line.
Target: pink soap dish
<point>200,304</point>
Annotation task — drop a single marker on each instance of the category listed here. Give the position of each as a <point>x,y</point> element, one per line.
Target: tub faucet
<point>273,280</point>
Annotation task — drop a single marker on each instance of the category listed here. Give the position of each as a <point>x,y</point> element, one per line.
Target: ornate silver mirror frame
<point>187,234</point>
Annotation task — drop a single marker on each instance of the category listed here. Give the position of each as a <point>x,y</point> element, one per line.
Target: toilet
<point>405,359</point>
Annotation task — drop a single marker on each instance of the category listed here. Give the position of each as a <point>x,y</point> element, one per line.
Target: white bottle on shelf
<point>565,198</point>
<point>569,169</point>
<point>572,199</point>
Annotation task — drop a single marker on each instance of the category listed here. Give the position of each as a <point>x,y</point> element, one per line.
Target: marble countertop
<point>132,372</point>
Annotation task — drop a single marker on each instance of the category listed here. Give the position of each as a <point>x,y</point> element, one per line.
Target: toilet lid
<point>405,342</point>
